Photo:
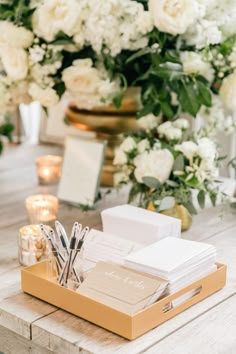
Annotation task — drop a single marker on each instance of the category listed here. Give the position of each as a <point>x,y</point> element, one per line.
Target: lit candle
<point>42,208</point>
<point>49,169</point>
<point>32,245</point>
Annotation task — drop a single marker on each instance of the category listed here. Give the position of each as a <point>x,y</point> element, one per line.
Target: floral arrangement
<point>178,51</point>
<point>164,164</point>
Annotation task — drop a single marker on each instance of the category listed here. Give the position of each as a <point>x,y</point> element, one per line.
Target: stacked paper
<point>180,262</point>
<point>100,246</point>
<point>139,225</point>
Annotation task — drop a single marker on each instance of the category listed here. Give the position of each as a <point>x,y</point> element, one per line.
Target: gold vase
<point>179,212</point>
<point>108,123</point>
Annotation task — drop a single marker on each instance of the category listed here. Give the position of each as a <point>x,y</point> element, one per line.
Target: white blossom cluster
<point>116,25</point>
<point>144,160</point>
<point>215,22</point>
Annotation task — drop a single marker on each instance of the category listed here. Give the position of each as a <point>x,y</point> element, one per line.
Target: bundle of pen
<point>67,253</point>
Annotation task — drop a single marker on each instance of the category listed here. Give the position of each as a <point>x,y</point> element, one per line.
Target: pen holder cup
<point>60,272</point>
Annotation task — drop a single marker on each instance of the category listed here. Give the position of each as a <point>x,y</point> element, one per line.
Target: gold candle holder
<point>42,208</point>
<point>49,169</point>
<point>32,245</point>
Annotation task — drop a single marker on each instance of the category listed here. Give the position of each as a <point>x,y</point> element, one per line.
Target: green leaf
<point>193,182</point>
<point>149,108</point>
<point>139,54</point>
<point>172,183</point>
<point>201,199</point>
<point>213,198</point>
<point>188,98</point>
<point>167,109</point>
<point>167,203</point>
<point>151,182</point>
<point>179,163</point>
<point>60,88</point>
<point>204,94</point>
<point>117,99</point>
<point>190,207</point>
<point>134,192</point>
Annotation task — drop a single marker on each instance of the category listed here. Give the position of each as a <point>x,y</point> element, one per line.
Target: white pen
<point>62,235</point>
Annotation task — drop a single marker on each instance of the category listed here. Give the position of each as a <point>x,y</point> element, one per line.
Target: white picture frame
<point>81,171</point>
<point>53,128</point>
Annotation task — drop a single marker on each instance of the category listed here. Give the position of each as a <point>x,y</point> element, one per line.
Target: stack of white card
<point>180,262</point>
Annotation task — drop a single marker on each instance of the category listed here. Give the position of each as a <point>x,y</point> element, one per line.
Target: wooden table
<point>28,325</point>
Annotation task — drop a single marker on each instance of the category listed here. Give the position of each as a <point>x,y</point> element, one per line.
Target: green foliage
<point>17,11</point>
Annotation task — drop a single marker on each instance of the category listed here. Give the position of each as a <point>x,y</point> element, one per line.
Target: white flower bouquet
<point>179,53</point>
<point>165,164</point>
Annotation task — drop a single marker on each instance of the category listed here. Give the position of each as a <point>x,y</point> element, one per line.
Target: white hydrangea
<point>117,25</point>
<point>120,157</point>
<point>128,145</point>
<point>188,148</point>
<point>149,122</point>
<point>215,23</point>
<point>193,63</point>
<point>215,119</point>
<point>206,149</point>
<point>154,163</point>
<point>143,145</point>
<point>168,130</point>
<point>181,123</point>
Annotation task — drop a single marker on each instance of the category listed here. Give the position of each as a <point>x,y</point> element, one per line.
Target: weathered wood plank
<point>12,343</point>
<point>18,312</point>
<point>213,332</point>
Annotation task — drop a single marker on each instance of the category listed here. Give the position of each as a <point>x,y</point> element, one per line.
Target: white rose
<point>54,16</point>
<point>128,144</point>
<point>148,122</point>
<point>47,97</point>
<point>81,77</point>
<point>120,157</point>
<point>188,148</point>
<point>155,163</point>
<point>206,149</point>
<point>15,62</point>
<point>143,145</point>
<point>169,131</point>
<point>173,16</point>
<point>14,36</point>
<point>181,123</point>
<point>193,63</point>
<point>228,91</point>
<point>120,177</point>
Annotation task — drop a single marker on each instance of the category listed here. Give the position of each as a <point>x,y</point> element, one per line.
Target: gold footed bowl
<point>108,123</point>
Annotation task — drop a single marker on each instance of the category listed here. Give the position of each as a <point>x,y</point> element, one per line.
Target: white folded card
<point>172,258</point>
<point>139,225</point>
<point>81,172</point>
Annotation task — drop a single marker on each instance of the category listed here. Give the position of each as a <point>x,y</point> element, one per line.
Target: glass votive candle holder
<point>32,245</point>
<point>42,208</point>
<point>49,169</point>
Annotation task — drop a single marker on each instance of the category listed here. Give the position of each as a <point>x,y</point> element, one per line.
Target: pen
<point>50,238</point>
<point>63,279</point>
<point>62,235</point>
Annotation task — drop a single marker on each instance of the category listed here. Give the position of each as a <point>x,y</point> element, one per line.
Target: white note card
<point>81,171</point>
